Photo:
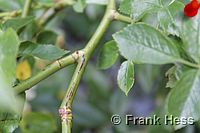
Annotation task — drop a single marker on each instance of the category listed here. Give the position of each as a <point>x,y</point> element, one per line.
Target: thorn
<point>65,114</point>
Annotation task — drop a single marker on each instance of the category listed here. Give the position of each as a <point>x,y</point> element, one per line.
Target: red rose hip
<point>192,8</point>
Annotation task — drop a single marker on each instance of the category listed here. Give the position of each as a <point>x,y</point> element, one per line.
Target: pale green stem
<point>54,67</point>
<point>71,91</point>
<point>82,63</point>
<point>27,8</point>
<point>123,18</point>
<point>108,17</point>
<point>189,63</point>
<point>10,14</point>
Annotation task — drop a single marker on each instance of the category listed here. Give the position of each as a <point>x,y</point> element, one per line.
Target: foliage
<point>31,49</point>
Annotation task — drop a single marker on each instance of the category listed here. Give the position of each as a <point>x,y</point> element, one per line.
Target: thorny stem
<point>81,57</point>
<point>69,60</point>
<point>54,67</point>
<point>27,8</point>
<point>65,109</point>
<point>75,80</point>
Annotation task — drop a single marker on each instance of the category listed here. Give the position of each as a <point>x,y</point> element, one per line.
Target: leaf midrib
<point>162,52</point>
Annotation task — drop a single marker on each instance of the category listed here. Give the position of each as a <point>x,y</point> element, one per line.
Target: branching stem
<point>123,18</point>
<point>54,67</point>
<point>80,57</point>
<point>65,109</point>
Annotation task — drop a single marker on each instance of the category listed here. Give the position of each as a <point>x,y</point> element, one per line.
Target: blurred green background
<point>98,96</point>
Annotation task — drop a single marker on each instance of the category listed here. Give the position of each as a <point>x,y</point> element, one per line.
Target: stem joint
<point>65,114</point>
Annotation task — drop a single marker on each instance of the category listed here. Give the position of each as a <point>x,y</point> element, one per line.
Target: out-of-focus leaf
<point>146,75</point>
<point>125,76</point>
<point>9,125</point>
<point>79,6</point>
<point>10,121</point>
<point>9,44</point>
<point>98,86</point>
<point>160,111</point>
<point>47,52</point>
<point>38,122</point>
<point>144,44</point>
<point>47,37</point>
<point>23,70</point>
<point>17,23</point>
<point>10,4</point>
<point>87,115</point>
<point>183,100</point>
<point>29,31</point>
<point>119,103</point>
<point>108,55</point>
<point>52,91</point>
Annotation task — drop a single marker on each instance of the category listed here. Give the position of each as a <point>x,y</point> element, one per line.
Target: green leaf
<point>47,52</point>
<point>144,44</point>
<point>146,75</point>
<point>126,7</point>
<point>10,5</point>
<point>172,77</point>
<point>184,100</point>
<point>88,115</point>
<point>108,55</point>
<point>9,124</point>
<point>141,7</point>
<point>125,76</point>
<point>98,84</point>
<point>17,23</point>
<point>9,44</point>
<point>79,6</point>
<point>161,14</point>
<point>174,74</point>
<point>168,16</point>
<point>29,32</point>
<point>10,121</point>
<point>38,122</point>
<point>47,37</point>
<point>190,32</point>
